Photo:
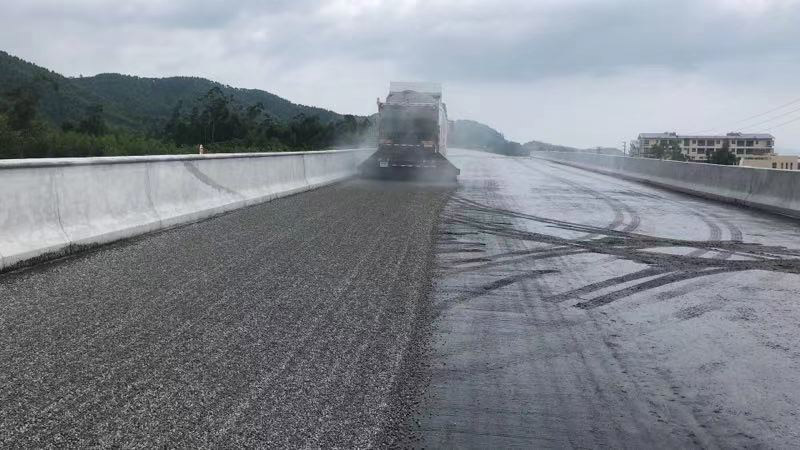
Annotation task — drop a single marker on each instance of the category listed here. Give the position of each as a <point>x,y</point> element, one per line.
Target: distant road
<point>536,305</point>
<point>580,310</point>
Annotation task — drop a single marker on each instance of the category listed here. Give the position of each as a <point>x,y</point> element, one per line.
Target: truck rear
<point>412,135</point>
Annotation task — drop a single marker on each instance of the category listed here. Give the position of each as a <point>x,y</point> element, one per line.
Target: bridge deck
<point>280,324</point>
<point>580,310</point>
<point>567,308</point>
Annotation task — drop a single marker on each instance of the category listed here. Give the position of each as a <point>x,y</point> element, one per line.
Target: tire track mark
<point>617,206</point>
<point>669,278</point>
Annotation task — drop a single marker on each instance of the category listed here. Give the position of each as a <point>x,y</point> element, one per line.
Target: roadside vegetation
<point>45,114</point>
<point>213,120</point>
<point>477,136</point>
<point>672,151</point>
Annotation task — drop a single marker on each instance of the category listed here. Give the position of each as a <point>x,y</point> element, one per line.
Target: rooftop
<point>433,89</point>
<point>706,136</point>
<point>411,98</point>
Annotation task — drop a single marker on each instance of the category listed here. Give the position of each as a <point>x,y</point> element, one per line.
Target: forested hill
<point>45,114</point>
<point>130,102</point>
<point>539,146</point>
<point>58,98</point>
<point>478,136</point>
<point>154,99</point>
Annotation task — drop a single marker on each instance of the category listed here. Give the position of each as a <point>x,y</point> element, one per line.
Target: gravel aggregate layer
<point>296,323</point>
<point>577,310</point>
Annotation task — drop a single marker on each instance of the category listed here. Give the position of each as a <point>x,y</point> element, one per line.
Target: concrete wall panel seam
<point>148,192</point>
<point>56,198</point>
<point>305,170</point>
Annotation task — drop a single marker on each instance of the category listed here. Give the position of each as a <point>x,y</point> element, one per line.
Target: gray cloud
<point>180,14</point>
<point>337,52</point>
<point>577,37</point>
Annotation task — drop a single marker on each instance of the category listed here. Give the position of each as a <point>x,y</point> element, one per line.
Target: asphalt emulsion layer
<point>576,310</point>
<point>300,322</point>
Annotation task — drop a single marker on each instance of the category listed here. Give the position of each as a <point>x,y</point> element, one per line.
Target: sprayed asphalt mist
<point>578,310</point>
<point>302,322</point>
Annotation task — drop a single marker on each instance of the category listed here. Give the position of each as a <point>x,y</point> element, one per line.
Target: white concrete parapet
<point>776,191</point>
<point>51,207</point>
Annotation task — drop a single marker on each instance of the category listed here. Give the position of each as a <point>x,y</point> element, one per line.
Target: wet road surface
<point>290,324</point>
<point>579,310</point>
<point>537,305</point>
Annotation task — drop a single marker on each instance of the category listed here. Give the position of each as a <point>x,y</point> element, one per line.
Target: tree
<point>633,149</point>
<point>215,118</point>
<point>219,123</point>
<point>675,153</point>
<point>512,148</point>
<point>657,151</point>
<point>25,101</point>
<point>723,156</point>
<point>23,107</point>
<point>667,150</point>
<point>10,140</point>
<point>93,124</point>
<point>255,111</point>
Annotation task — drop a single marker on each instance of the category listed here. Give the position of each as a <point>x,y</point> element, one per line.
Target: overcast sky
<point>573,72</point>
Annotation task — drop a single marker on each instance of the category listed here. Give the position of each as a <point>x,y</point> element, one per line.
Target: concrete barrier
<point>50,207</point>
<point>777,191</point>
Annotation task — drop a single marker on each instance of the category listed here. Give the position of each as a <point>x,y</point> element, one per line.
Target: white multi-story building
<point>701,147</point>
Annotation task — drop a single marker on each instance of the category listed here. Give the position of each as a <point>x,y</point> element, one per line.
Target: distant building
<point>771,162</point>
<point>701,147</point>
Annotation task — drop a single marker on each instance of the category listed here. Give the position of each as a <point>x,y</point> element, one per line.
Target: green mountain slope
<point>59,100</point>
<point>478,136</point>
<point>139,115</point>
<point>538,146</point>
<point>130,102</point>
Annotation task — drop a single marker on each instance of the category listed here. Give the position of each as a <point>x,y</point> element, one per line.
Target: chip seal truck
<point>412,135</point>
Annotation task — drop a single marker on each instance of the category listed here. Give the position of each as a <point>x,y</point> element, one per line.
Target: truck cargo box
<point>412,135</point>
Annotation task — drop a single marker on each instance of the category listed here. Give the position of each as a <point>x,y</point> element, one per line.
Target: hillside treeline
<point>217,119</point>
<point>129,102</point>
<point>214,120</point>
<point>477,136</point>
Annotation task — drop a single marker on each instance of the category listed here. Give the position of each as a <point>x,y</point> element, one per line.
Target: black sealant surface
<point>576,310</point>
